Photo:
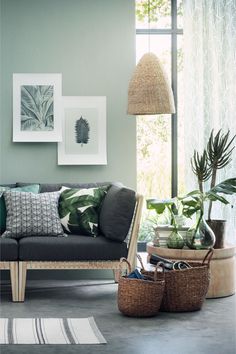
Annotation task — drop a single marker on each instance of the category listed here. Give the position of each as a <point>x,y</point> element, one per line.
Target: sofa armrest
<point>133,240</point>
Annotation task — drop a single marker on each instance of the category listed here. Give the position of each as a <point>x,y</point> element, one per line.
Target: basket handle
<point>159,265</point>
<point>140,261</point>
<point>207,258</point>
<point>124,260</point>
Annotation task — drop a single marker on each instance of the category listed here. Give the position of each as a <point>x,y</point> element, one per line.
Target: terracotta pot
<point>218,227</point>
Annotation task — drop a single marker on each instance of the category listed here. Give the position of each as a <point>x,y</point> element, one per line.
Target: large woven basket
<point>140,298</point>
<point>186,289</point>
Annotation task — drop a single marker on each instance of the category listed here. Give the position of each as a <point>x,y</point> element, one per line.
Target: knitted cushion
<point>34,188</point>
<point>31,214</point>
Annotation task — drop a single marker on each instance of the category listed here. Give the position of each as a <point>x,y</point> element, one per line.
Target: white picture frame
<point>83,131</point>
<point>37,107</point>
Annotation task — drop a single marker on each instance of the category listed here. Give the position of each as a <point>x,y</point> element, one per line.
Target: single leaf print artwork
<point>82,131</point>
<point>37,108</point>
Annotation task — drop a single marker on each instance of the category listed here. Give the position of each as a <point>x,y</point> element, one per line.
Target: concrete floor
<point>211,330</point>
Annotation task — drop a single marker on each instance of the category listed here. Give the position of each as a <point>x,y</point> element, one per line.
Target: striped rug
<point>50,331</point>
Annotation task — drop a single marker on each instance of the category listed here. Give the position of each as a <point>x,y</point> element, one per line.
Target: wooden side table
<point>222,266</point>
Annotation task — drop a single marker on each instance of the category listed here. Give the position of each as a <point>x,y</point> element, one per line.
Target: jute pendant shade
<point>149,89</point>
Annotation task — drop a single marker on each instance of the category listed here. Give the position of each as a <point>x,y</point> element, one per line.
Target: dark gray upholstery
<point>71,248</point>
<point>9,185</point>
<point>115,218</point>
<point>53,187</point>
<point>8,249</point>
<point>117,212</point>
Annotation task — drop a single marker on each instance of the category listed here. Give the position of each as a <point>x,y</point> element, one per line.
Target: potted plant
<point>175,222</point>
<point>216,156</point>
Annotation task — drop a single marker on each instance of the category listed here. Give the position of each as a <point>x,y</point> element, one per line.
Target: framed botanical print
<point>83,131</point>
<point>37,107</point>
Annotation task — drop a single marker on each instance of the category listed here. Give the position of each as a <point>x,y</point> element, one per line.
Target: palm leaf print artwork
<point>37,108</point>
<point>82,131</point>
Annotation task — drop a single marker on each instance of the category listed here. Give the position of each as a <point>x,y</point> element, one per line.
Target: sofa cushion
<point>53,187</point>
<point>79,209</point>
<point>8,249</point>
<point>71,248</point>
<point>31,214</point>
<point>34,188</point>
<point>117,212</point>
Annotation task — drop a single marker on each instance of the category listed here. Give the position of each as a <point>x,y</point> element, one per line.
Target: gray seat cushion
<point>71,248</point>
<point>8,249</point>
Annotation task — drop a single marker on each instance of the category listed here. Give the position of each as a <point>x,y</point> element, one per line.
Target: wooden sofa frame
<point>14,275</point>
<point>113,265</point>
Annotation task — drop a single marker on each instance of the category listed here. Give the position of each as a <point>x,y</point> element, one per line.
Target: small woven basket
<point>140,298</point>
<point>186,289</point>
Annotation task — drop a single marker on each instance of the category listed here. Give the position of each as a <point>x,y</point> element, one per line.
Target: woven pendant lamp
<point>149,88</point>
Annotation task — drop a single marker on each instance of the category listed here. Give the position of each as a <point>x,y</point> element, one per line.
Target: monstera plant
<point>216,156</point>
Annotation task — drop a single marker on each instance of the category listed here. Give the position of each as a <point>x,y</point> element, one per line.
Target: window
<point>160,149</point>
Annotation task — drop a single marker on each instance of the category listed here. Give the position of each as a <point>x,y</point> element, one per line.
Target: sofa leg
<point>116,273</point>
<point>14,281</point>
<point>22,280</point>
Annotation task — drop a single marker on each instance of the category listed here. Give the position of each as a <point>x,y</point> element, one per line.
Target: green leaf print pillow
<point>79,209</point>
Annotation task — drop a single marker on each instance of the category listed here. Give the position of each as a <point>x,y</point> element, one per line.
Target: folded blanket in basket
<point>136,275</point>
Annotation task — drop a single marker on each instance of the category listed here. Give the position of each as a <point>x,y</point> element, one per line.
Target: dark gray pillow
<point>117,212</point>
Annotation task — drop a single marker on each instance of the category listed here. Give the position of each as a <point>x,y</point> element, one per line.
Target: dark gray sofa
<point>9,249</point>
<point>118,223</point>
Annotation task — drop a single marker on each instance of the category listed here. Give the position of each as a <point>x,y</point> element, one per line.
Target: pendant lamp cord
<point>149,26</point>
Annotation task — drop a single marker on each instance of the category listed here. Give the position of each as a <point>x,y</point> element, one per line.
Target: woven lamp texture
<point>149,88</point>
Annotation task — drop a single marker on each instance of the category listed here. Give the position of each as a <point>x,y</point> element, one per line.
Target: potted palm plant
<point>216,156</point>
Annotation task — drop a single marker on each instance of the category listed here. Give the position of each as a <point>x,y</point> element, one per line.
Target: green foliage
<point>219,150</point>
<point>160,206</point>
<point>226,187</point>
<point>36,107</point>
<point>216,156</point>
<point>146,231</point>
<point>153,10</point>
<point>193,202</point>
<point>201,168</point>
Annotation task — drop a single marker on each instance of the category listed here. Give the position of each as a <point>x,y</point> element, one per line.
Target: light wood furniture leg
<point>14,280</point>
<point>116,273</point>
<point>22,280</point>
<point>134,234</point>
<point>114,265</point>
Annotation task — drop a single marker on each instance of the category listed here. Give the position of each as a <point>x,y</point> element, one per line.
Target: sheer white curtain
<point>210,86</point>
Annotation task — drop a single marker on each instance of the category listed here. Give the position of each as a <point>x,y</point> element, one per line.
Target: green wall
<point>92,43</point>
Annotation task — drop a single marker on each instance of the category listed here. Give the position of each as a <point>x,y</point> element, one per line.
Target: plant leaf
<point>226,187</point>
<point>159,205</point>
<point>82,131</point>
<point>214,197</point>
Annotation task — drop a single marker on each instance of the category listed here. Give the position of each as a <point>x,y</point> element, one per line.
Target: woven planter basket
<point>186,289</point>
<point>140,298</point>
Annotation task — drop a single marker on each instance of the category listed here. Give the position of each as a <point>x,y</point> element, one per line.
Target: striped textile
<point>50,331</point>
